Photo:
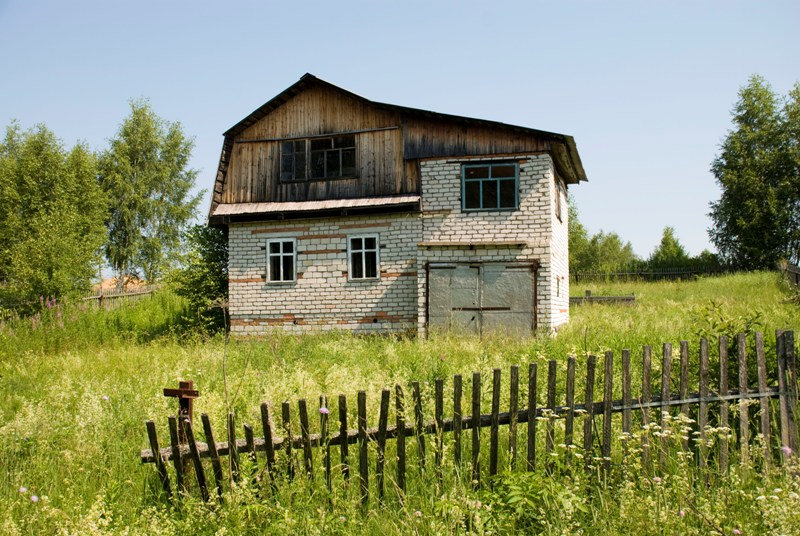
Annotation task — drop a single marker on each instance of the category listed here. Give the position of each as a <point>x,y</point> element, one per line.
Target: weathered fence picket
<point>186,453</point>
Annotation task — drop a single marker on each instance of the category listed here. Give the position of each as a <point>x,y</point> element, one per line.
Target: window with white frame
<point>364,257</point>
<point>281,260</point>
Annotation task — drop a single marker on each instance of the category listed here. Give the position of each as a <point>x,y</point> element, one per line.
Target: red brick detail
<point>321,251</point>
<point>313,236</point>
<point>249,280</point>
<point>280,230</point>
<point>285,319</point>
<point>398,274</point>
<point>363,225</point>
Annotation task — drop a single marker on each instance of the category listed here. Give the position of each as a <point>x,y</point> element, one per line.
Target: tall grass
<point>75,392</point>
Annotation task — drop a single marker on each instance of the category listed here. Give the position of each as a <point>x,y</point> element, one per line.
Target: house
<point>345,213</point>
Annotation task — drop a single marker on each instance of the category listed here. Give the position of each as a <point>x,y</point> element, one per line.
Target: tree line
<point>67,211</point>
<point>756,221</point>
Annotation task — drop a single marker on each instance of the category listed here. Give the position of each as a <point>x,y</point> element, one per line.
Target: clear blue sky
<point>645,87</point>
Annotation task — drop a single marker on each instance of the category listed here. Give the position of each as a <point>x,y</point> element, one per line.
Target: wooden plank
<point>684,388</point>
<point>286,417</point>
<point>233,454</point>
<point>476,430</point>
<point>569,415</point>
<point>457,418</point>
<point>363,467</point>
<point>783,388</point>
<point>549,438</point>
<point>495,424</point>
<point>380,462</point>
<point>513,409</point>
<point>200,474</point>
<point>531,417</point>
<point>152,436</point>
<point>791,369</point>
<point>177,462</point>
<point>588,423</point>
<point>761,362</point>
<point>626,399</point>
<point>666,375</point>
<point>343,447</point>
<point>608,399</point>
<point>305,434</point>
<point>744,410</point>
<point>438,415</point>
<point>400,415</point>
<point>723,407</point>
<point>250,443</point>
<point>647,384</point>
<point>420,424</point>
<point>702,414</point>
<point>267,428</point>
<point>324,416</point>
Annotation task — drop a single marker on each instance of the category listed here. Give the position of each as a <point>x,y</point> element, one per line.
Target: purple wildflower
<point>324,411</point>
<point>657,479</point>
<point>23,489</point>
<point>58,313</point>
<point>682,513</point>
<point>104,398</point>
<point>35,498</point>
<point>736,531</point>
<point>787,450</point>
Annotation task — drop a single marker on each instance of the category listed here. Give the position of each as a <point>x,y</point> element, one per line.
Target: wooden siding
<point>254,171</point>
<point>389,143</point>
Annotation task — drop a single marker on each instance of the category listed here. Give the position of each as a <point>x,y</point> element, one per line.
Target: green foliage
<point>203,278</point>
<point>65,441</point>
<point>670,252</point>
<point>51,225</point>
<point>145,173</point>
<point>757,218</point>
<point>602,252</point>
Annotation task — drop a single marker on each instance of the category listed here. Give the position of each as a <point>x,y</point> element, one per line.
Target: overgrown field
<point>77,386</point>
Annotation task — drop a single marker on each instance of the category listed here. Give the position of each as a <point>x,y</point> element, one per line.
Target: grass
<point>75,391</point>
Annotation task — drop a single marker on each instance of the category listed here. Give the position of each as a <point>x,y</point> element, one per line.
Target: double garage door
<point>479,298</point>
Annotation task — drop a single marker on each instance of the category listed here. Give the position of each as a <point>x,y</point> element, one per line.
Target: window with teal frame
<point>489,186</point>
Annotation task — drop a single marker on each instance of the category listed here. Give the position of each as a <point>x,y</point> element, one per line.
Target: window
<point>318,158</point>
<point>559,195</point>
<point>364,256</point>
<point>281,257</point>
<point>489,186</point>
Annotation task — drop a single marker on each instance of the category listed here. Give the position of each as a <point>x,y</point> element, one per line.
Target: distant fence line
<point>114,297</point>
<point>665,274</point>
<point>771,427</point>
<point>792,271</point>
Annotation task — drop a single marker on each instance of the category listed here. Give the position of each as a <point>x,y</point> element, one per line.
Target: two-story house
<point>345,213</point>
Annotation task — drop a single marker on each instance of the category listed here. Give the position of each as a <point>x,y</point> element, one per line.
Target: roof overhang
<point>225,213</point>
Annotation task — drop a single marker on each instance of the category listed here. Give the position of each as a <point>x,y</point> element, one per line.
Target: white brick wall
<point>322,298</point>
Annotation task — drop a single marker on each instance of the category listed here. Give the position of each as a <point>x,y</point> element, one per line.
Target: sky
<point>646,88</point>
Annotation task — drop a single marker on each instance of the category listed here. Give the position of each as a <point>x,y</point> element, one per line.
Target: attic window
<point>318,158</point>
<point>489,186</point>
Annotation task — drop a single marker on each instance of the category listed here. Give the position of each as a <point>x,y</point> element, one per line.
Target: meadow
<point>76,387</point>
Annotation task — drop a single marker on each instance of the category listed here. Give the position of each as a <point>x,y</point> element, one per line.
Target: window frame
<point>281,254</point>
<point>490,165</point>
<point>561,191</point>
<point>306,177</point>
<point>363,250</point>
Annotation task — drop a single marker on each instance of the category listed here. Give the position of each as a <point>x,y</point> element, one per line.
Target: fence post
<point>154,448</point>
<point>589,406</point>
<point>420,424</point>
<point>702,419</point>
<point>647,385</point>
<point>269,448</point>
<point>401,438</point>
<point>549,436</point>
<point>569,419</point>
<point>343,444</point>
<point>744,412</point>
<point>608,392</point>
<point>761,362</point>
<point>531,458</point>
<point>723,405</point>
<point>495,422</point>
<point>666,369</point>
<point>513,411</point>
<point>363,469</point>
<point>457,420</point>
<point>476,429</point>
<point>626,399</point>
<point>212,449</point>
<point>383,419</point>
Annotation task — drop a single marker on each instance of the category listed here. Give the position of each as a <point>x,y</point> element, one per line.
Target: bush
<point>203,280</point>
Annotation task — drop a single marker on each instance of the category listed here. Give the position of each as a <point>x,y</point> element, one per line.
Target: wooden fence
<point>664,274</point>
<point>111,299</point>
<point>793,273</point>
<point>588,297</point>
<point>779,439</point>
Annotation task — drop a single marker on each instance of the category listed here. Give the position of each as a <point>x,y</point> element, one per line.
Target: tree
<point>51,225</point>
<point>602,252</point>
<point>757,218</point>
<point>203,278</point>
<point>669,253</point>
<point>145,173</point>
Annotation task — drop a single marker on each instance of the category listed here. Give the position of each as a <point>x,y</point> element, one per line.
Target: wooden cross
<point>185,393</point>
